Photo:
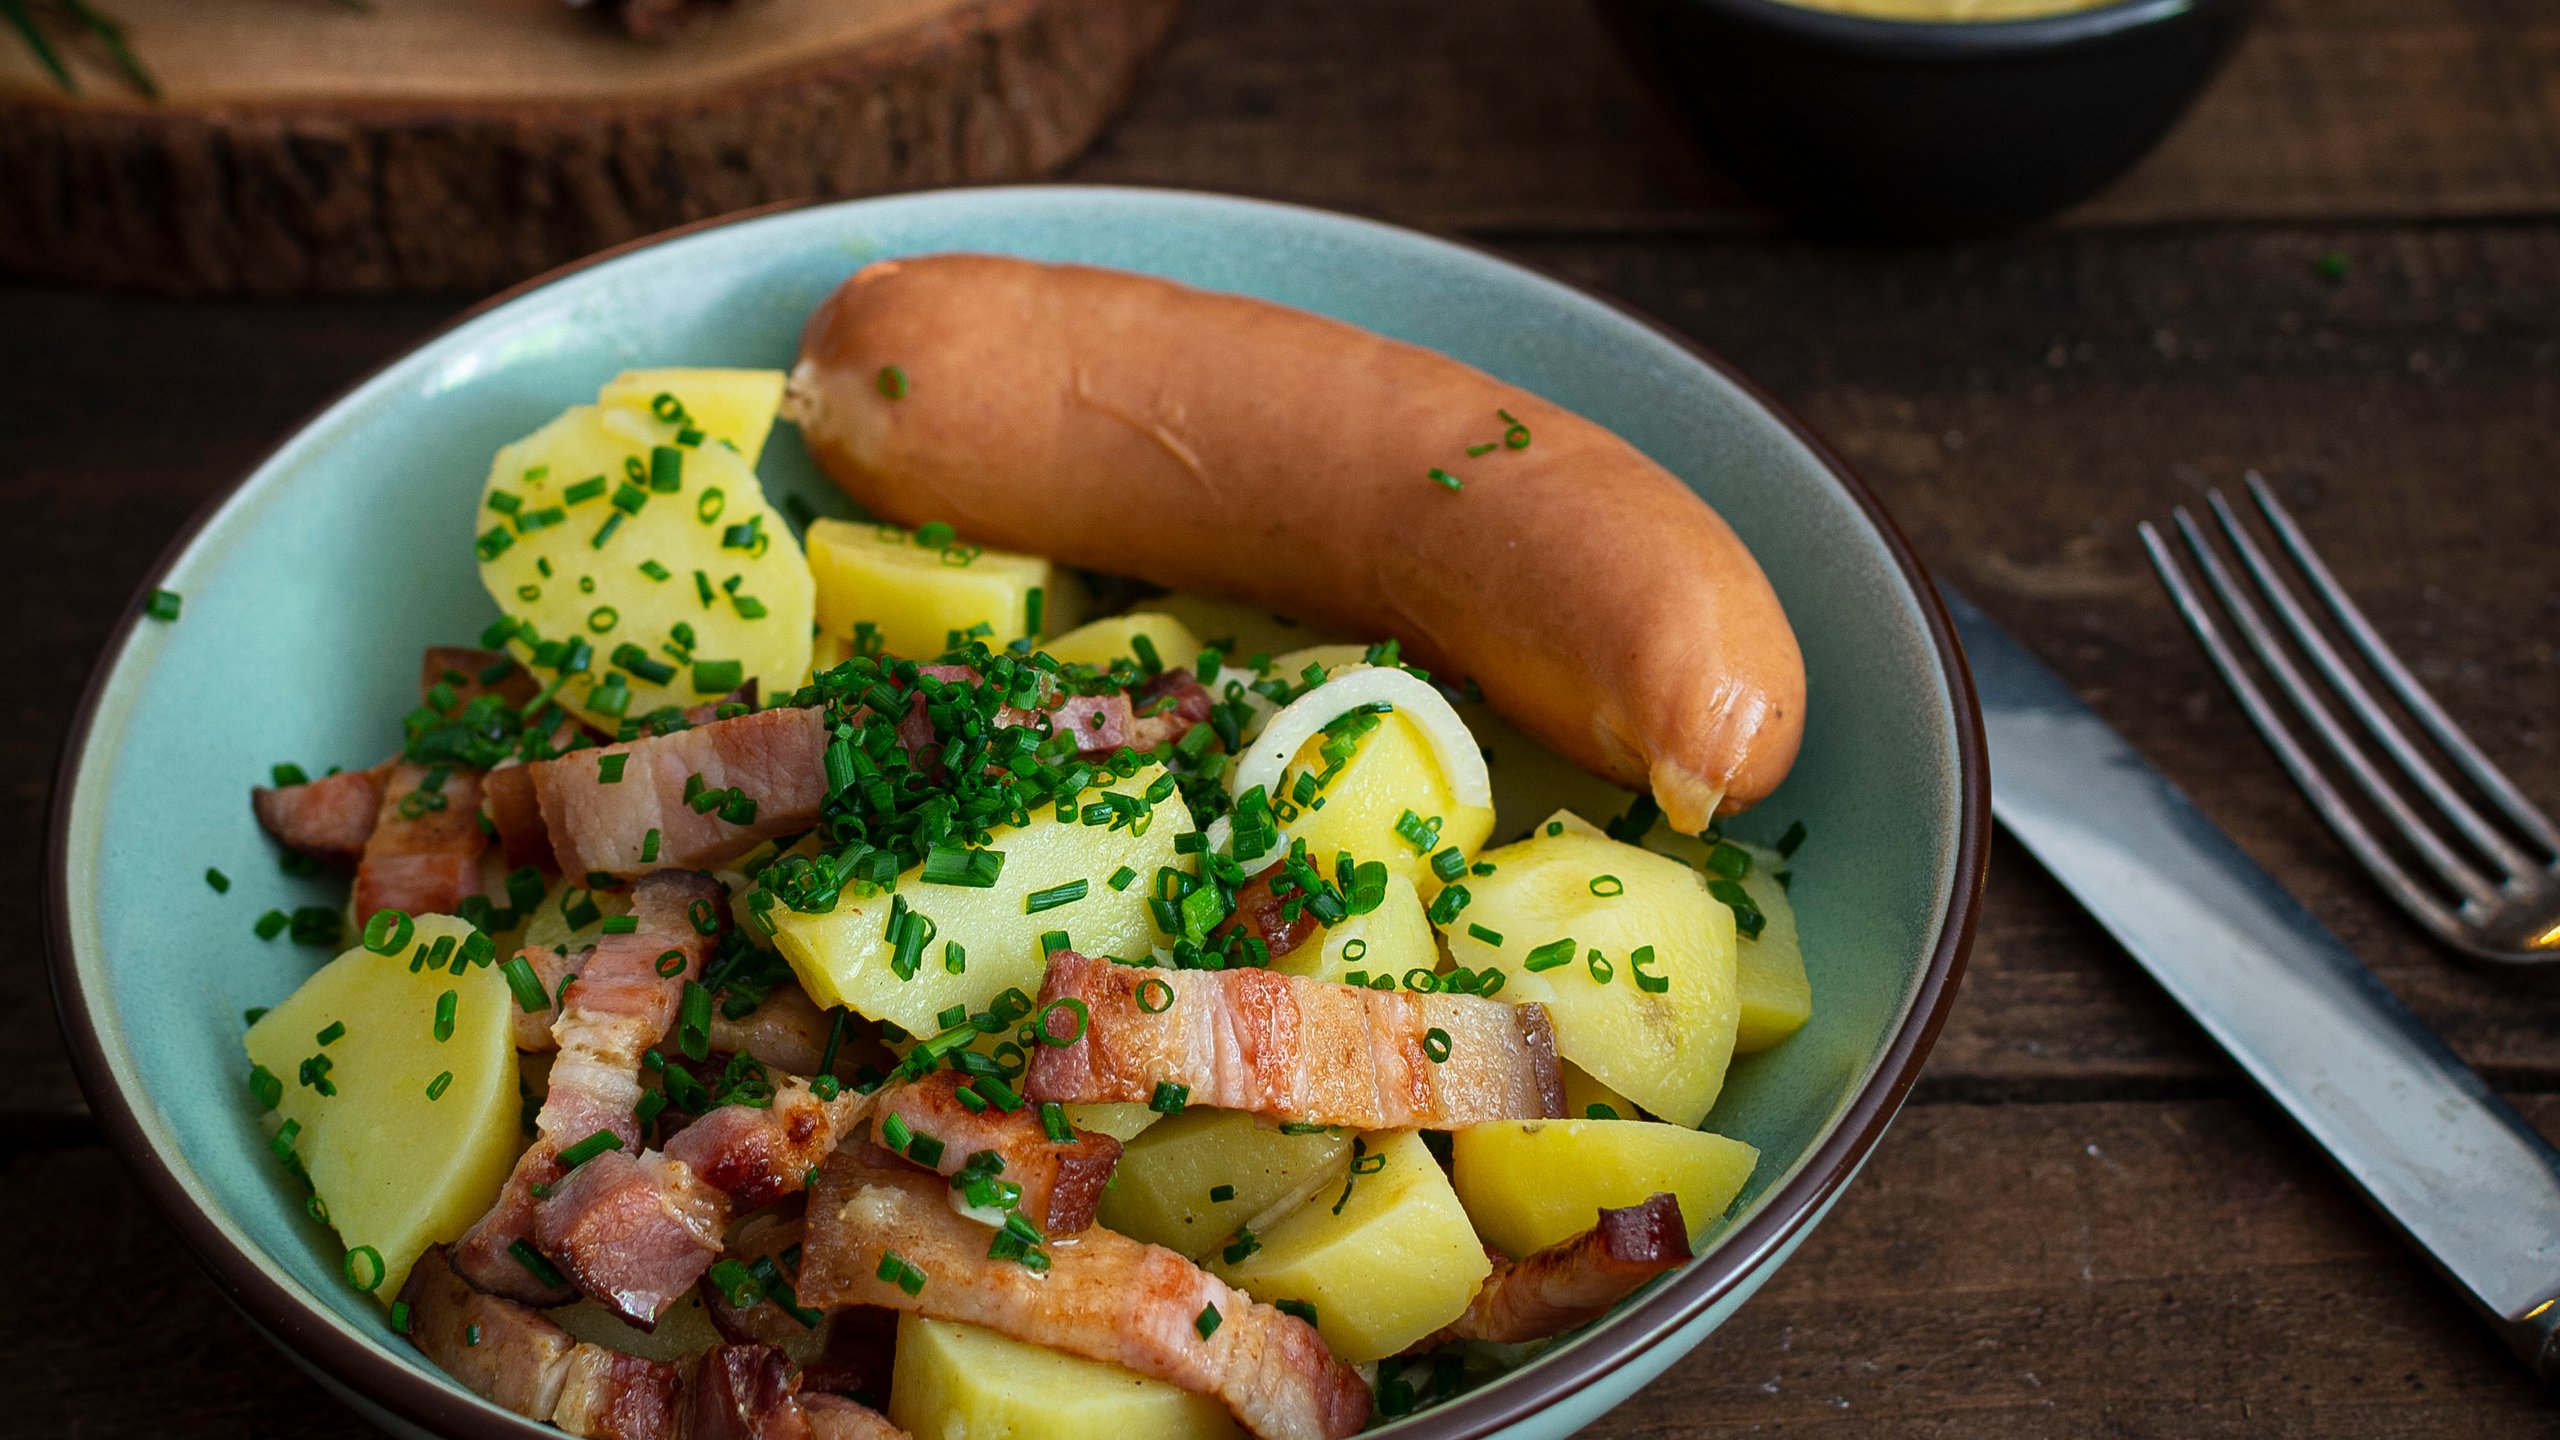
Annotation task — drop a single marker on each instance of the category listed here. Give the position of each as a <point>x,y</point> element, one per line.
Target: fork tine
<point>2344,684</point>
<point>2449,866</point>
<point>2440,858</point>
<point>2342,820</point>
<point>2431,717</point>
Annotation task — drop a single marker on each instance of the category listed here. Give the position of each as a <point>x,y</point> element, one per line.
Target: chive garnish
<point>163,605</point>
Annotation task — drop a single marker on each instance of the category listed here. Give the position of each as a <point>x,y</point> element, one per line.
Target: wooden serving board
<point>304,147</point>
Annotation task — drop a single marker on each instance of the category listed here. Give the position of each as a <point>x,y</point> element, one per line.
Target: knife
<point>2454,1169</point>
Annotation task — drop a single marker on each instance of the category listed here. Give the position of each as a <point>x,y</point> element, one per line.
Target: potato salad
<point>827,977</point>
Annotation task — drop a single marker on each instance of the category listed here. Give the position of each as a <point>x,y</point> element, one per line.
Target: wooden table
<point>2085,1223</point>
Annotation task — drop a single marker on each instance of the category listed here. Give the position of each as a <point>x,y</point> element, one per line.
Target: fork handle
<point>2451,1165</point>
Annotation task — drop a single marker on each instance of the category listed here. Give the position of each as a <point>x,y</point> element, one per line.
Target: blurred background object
<point>1923,119</point>
<point>274,147</point>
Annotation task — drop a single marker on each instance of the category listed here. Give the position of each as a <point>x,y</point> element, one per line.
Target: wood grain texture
<point>461,145</point>
<point>1518,117</point>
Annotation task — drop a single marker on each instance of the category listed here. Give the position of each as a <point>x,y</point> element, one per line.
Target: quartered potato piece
<point>962,1382</point>
<point>916,595</point>
<point>842,957</point>
<point>1393,939</point>
<point>1099,642</point>
<point>659,562</point>
<point>733,406</point>
<point>1384,1264</point>
<point>1188,1183</point>
<point>1653,1015</point>
<point>1528,1184</point>
<point>400,1105</point>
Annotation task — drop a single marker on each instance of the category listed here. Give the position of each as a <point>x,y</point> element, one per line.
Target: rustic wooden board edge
<point>393,198</point>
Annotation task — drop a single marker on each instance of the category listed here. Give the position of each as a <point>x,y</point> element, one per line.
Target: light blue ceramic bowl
<point>311,586</point>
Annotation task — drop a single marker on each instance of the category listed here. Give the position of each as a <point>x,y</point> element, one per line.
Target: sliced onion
<point>1350,688</point>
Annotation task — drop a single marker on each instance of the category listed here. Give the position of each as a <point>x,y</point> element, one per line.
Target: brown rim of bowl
<point>414,1393</point>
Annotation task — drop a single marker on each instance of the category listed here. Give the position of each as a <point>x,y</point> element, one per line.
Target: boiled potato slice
<point>1384,1266</point>
<point>841,958</point>
<point>1392,770</point>
<point>683,593</point>
<point>1776,994</point>
<point>962,1382</point>
<point>1244,631</point>
<point>1581,1092</point>
<point>885,593</point>
<point>1188,1183</point>
<point>1121,1122</point>
<point>398,1169</point>
<point>1099,642</point>
<point>1392,939</point>
<point>735,406</point>
<point>1528,1184</point>
<point>1666,1050</point>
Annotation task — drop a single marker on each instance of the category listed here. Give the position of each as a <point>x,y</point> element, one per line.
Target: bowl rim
<point>1884,37</point>
<point>413,1392</point>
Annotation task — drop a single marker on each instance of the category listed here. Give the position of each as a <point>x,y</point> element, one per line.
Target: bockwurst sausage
<point>1213,442</point>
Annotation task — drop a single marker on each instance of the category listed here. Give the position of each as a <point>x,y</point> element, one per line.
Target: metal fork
<point>2488,888</point>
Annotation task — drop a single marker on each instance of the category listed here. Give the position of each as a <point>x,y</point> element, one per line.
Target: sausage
<point>1218,443</point>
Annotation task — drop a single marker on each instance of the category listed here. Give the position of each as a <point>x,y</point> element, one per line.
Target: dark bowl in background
<point>1896,130</point>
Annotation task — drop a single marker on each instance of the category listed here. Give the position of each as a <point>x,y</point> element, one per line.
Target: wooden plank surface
<point>1520,117</point>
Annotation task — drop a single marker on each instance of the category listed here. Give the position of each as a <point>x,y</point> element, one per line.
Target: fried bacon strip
<point>512,1356</point>
<point>1061,1183</point>
<point>1576,1280</point>
<point>749,1392</point>
<point>1264,915</point>
<point>1106,1297</point>
<point>773,757</point>
<point>329,818</point>
<point>636,1231</point>
<point>424,853</point>
<point>619,1005</point>
<point>1297,1049</point>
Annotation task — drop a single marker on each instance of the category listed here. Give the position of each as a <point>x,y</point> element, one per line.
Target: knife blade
<point>2447,1162</point>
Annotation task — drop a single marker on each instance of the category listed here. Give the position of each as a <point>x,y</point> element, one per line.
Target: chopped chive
<point>1490,937</point>
<point>363,1268</point>
<point>1299,1309</point>
<point>526,985</point>
<point>220,882</point>
<point>609,767</point>
<point>1053,897</point>
<point>1446,481</point>
<point>1650,984</point>
<point>1606,886</point>
<point>589,1148</point>
<point>1053,941</point>
<point>1787,843</point>
<point>1053,1119</point>
<point>388,932</point>
<point>1207,1321</point>
<point>649,847</point>
<point>163,605</point>
<point>332,1033</point>
<point>1549,956</point>
<point>1169,1098</point>
<point>892,383</point>
<point>445,1004</point>
<point>717,677</point>
<point>1435,1042</point>
<point>265,1087</point>
<point>1221,1194</point>
<point>1121,878</point>
<point>535,1265</point>
<point>271,924</point>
